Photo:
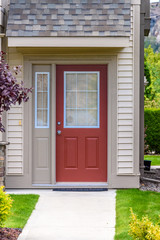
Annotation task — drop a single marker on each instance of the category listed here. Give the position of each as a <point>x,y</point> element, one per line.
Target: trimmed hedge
<point>152,122</point>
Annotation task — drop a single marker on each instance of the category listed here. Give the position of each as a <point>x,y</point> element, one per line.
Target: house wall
<point>14,125</point>
<point>123,120</point>
<point>127,173</point>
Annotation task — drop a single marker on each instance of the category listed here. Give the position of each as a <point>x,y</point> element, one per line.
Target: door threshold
<point>71,185</point>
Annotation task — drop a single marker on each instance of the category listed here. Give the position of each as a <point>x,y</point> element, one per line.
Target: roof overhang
<point>116,42</point>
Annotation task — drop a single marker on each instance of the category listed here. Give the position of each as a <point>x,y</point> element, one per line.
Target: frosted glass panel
<point>39,82</point>
<point>71,117</point>
<point>45,82</point>
<point>92,100</point>
<point>41,100</point>
<point>45,99</point>
<point>92,82</point>
<point>45,113</point>
<point>81,117</point>
<point>81,81</point>
<point>81,99</point>
<point>92,117</point>
<point>39,117</point>
<point>70,99</point>
<point>71,81</point>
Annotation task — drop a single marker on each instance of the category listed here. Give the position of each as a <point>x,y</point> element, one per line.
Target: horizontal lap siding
<point>125,111</point>
<point>14,163</point>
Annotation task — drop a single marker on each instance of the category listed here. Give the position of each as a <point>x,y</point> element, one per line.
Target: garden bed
<point>9,233</point>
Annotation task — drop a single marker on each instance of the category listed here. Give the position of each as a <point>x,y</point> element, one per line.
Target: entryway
<point>81,123</point>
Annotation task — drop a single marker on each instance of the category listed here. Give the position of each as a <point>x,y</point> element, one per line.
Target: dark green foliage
<point>152,123</point>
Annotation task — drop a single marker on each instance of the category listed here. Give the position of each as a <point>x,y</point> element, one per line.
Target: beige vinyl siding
<point>125,111</point>
<point>14,153</point>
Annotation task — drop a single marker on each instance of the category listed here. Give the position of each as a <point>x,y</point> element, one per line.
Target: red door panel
<point>81,152</point>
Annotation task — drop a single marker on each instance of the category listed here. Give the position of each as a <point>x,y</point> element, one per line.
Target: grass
<point>142,203</point>
<point>23,205</point>
<point>154,158</point>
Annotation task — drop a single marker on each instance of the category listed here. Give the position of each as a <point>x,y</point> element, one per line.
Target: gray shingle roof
<point>69,18</point>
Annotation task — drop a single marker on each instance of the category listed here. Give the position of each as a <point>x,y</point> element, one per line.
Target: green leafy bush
<point>5,206</point>
<point>143,229</point>
<point>152,125</point>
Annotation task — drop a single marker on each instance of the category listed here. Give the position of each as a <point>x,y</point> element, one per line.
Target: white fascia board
<point>68,42</point>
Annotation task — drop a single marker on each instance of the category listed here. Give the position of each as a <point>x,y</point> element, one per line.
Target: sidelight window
<point>42,100</point>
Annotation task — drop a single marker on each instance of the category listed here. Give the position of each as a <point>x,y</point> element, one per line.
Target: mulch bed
<point>9,233</point>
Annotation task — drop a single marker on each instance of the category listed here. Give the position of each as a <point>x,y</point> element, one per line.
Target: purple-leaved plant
<point>11,92</point>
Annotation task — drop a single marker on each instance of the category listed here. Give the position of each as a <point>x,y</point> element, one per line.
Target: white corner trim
<point>68,42</point>
<point>136,2</point>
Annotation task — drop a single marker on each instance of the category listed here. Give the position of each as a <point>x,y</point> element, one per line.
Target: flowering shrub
<point>5,206</point>
<point>143,229</point>
<point>11,91</point>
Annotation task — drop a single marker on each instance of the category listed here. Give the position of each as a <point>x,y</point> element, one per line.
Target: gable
<point>69,18</point>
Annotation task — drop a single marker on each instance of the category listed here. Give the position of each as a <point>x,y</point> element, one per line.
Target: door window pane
<point>39,100</point>
<point>81,81</point>
<point>39,82</point>
<point>71,117</point>
<point>92,117</point>
<point>70,81</point>
<point>42,100</point>
<point>81,99</point>
<point>92,82</point>
<point>81,117</point>
<point>92,100</point>
<point>70,99</point>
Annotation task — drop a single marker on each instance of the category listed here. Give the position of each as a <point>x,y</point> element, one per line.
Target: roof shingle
<point>69,18</point>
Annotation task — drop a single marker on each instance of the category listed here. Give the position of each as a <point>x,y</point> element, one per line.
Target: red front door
<point>81,123</point>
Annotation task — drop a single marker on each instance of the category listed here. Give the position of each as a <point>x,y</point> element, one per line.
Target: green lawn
<point>142,203</point>
<point>154,158</point>
<point>23,205</point>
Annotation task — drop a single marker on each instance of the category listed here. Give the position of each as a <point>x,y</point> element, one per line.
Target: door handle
<point>59,132</point>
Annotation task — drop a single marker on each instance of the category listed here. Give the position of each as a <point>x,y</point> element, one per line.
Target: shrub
<point>152,125</point>
<point>143,229</point>
<point>5,206</point>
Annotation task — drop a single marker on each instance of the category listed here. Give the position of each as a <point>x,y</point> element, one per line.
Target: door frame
<point>111,61</point>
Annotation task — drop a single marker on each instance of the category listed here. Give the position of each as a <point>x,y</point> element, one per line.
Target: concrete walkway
<point>71,216</point>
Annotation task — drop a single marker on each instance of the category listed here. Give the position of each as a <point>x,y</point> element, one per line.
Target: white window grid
<point>48,97</point>
<point>98,98</point>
